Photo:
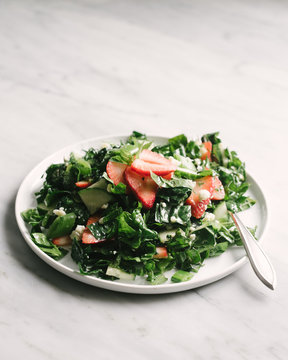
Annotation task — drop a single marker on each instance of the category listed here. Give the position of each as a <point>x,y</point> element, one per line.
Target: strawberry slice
<point>87,236</point>
<point>93,219</point>
<point>82,184</point>
<point>206,150</point>
<point>161,252</point>
<point>201,195</point>
<point>143,168</point>
<point>169,176</point>
<point>153,157</point>
<point>116,171</point>
<point>62,240</point>
<point>144,187</point>
<point>219,192</point>
<point>151,161</point>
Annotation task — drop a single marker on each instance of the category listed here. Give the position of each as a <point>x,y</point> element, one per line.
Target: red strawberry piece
<point>153,157</point>
<point>144,168</point>
<point>62,240</point>
<point>201,195</point>
<point>116,171</point>
<point>219,192</point>
<point>151,161</point>
<point>206,150</point>
<point>144,187</point>
<point>169,176</point>
<point>82,184</point>
<point>161,252</point>
<point>87,236</point>
<point>93,219</point>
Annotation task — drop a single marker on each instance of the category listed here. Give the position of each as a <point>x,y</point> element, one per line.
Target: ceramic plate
<point>213,269</point>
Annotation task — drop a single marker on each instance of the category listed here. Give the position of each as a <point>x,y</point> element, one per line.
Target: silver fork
<point>256,255</point>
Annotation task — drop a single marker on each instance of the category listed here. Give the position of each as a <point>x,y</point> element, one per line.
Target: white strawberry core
<point>204,195</point>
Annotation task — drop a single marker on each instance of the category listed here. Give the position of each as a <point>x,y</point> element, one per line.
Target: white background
<point>71,70</point>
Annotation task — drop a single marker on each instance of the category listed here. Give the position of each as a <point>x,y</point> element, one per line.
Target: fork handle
<point>256,255</point>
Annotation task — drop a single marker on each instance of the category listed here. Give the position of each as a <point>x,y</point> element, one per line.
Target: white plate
<point>213,269</point>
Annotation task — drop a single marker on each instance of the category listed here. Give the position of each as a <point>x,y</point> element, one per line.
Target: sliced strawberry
<point>144,187</point>
<point>161,252</point>
<point>201,195</point>
<point>153,157</point>
<point>87,237</point>
<point>62,240</point>
<point>169,176</point>
<point>219,192</point>
<point>116,171</point>
<point>93,219</point>
<point>83,184</point>
<point>151,161</point>
<point>144,168</point>
<point>206,150</point>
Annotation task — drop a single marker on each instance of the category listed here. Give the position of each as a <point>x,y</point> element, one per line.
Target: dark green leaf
<point>48,247</point>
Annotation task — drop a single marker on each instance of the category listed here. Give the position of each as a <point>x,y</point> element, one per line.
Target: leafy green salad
<point>141,209</point>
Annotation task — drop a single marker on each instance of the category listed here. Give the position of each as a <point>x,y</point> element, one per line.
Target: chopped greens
<point>141,224</point>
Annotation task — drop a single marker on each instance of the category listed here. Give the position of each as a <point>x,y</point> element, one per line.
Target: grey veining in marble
<point>70,70</point>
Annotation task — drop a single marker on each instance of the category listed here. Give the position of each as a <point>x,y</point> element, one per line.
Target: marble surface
<point>70,70</point>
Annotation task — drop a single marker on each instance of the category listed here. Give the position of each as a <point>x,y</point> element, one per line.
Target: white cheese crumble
<point>104,206</point>
<point>209,217</point>
<point>166,235</point>
<point>163,205</point>
<point>173,219</point>
<point>77,232</point>
<point>192,236</point>
<point>197,162</point>
<point>101,221</point>
<point>192,228</point>
<point>59,212</point>
<point>204,195</point>
<point>105,145</point>
<point>199,168</point>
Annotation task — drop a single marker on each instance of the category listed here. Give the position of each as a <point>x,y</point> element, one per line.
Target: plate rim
<point>122,286</point>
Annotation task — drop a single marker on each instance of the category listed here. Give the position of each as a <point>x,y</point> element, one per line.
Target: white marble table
<point>70,70</point>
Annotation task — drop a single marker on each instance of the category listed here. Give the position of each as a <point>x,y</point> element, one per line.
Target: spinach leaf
<point>81,164</point>
<point>93,260</point>
<point>139,221</point>
<point>98,160</point>
<point>136,135</point>
<point>178,144</point>
<point>48,247</point>
<point>55,174</point>
<point>127,152</point>
<point>213,137</point>
<point>73,204</point>
<point>175,195</point>
<point>218,249</point>
<point>174,182</point>
<point>169,213</point>
<point>193,150</point>
<point>33,218</point>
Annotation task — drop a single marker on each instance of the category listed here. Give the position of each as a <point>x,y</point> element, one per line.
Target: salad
<point>140,209</point>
